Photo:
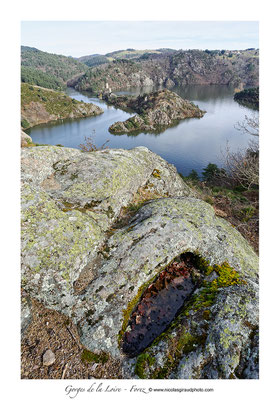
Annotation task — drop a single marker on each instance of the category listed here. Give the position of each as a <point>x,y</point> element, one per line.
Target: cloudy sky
<point>78,38</point>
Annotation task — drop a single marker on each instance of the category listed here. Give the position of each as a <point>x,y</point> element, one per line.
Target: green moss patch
<point>187,339</point>
<point>227,276</point>
<point>142,361</point>
<point>90,357</point>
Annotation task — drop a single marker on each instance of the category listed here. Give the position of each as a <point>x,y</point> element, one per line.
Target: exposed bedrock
<point>78,260</point>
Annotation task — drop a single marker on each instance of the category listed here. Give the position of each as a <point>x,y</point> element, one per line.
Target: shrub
<point>243,166</point>
<point>193,175</point>
<point>210,172</point>
<point>89,145</point>
<point>25,124</point>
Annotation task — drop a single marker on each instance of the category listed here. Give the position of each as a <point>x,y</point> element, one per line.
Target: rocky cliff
<point>178,68</point>
<point>99,228</point>
<point>155,111</point>
<point>40,105</point>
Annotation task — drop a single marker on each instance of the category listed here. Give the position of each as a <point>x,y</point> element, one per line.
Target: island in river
<point>155,111</point>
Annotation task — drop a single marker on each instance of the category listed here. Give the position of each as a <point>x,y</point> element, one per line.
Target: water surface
<point>191,144</point>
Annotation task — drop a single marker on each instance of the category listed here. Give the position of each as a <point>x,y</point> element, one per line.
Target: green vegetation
<point>25,124</point>
<point>53,105</point>
<point>119,55</point>
<point>60,67</point>
<point>211,172</point>
<point>94,60</point>
<point>187,338</point>
<point>89,357</point>
<point>227,276</point>
<point>142,361</point>
<point>98,59</point>
<point>193,175</point>
<point>248,97</point>
<point>36,77</point>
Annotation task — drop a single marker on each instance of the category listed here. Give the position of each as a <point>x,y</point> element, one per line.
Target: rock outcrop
<point>25,139</point>
<point>39,105</point>
<point>82,256</point>
<point>155,111</point>
<point>191,67</point>
<point>70,200</point>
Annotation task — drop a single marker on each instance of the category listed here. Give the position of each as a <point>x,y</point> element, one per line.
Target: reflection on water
<point>159,305</point>
<point>191,144</point>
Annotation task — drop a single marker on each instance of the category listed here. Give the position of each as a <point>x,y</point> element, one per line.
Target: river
<point>191,144</point>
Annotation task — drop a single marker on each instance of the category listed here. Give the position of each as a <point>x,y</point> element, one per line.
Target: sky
<point>79,38</point>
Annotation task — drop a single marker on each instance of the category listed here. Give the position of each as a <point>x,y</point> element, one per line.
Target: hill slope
<point>98,59</point>
<point>48,66</point>
<point>37,77</point>
<point>179,68</point>
<point>40,105</point>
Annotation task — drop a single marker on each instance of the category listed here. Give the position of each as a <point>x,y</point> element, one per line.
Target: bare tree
<point>89,145</point>
<point>242,166</point>
<point>250,125</point>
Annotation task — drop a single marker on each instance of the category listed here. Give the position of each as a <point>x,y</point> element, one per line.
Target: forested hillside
<point>48,70</point>
<point>36,77</point>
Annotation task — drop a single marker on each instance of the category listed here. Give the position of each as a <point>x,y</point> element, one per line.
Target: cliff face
<point>181,68</point>
<point>156,111</point>
<point>85,256</point>
<point>40,105</point>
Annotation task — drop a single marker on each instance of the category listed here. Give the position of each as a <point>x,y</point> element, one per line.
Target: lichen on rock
<point>69,201</point>
<point>79,257</point>
<point>162,230</point>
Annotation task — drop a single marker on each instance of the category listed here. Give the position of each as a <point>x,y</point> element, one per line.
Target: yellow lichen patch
<point>227,276</point>
<point>156,173</point>
<point>56,240</point>
<point>186,339</point>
